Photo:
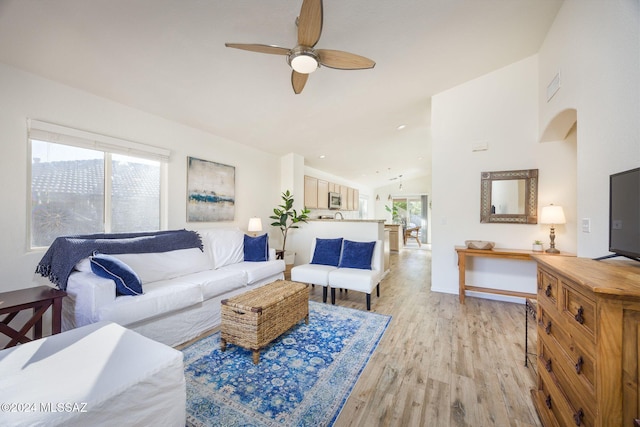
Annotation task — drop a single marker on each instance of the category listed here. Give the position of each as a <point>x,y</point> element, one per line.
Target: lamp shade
<point>255,225</point>
<point>552,215</point>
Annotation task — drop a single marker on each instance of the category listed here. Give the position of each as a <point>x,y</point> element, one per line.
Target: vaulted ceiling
<point>168,57</point>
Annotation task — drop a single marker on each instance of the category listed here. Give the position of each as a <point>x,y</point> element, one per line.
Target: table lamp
<point>255,226</point>
<point>553,215</point>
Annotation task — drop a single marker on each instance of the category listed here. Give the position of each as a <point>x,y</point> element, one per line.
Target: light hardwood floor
<point>439,363</point>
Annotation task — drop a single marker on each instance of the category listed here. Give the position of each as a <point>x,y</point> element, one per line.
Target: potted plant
<point>393,210</point>
<point>286,217</point>
<point>537,246</point>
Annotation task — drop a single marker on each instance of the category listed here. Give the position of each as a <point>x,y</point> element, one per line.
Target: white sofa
<point>356,279</point>
<point>182,288</point>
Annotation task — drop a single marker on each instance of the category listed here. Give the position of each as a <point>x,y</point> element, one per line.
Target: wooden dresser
<point>588,342</point>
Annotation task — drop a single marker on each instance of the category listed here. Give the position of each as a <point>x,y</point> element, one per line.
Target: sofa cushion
<point>153,267</point>
<point>256,249</point>
<point>159,298</point>
<point>257,271</point>
<point>327,252</point>
<point>356,254</point>
<point>217,282</point>
<point>126,280</point>
<point>223,246</point>
<point>356,279</point>
<point>316,274</point>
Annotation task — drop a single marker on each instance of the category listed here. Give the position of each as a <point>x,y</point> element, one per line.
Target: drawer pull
<point>579,315</point>
<point>547,401</point>
<point>547,366</point>
<point>579,365</point>
<point>547,328</point>
<point>547,291</point>
<point>577,417</point>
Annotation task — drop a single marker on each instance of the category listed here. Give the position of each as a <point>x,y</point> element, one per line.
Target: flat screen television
<point>624,214</point>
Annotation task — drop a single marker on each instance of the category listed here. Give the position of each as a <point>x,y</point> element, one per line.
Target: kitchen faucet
<point>335,216</point>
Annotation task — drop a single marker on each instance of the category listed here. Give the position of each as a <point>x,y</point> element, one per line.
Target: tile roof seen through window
<point>86,177</point>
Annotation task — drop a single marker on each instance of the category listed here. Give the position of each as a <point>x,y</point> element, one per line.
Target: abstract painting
<point>210,191</point>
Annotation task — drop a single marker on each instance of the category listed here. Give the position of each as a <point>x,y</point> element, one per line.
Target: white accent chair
<point>354,279</point>
<point>314,274</point>
<point>359,280</point>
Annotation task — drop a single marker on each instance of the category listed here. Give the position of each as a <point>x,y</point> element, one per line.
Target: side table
<point>39,299</point>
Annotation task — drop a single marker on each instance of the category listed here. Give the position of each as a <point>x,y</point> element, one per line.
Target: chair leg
<point>324,294</point>
<point>368,302</point>
<point>333,296</point>
<point>378,290</point>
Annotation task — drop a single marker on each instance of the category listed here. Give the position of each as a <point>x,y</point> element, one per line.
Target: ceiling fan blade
<point>310,22</point>
<point>343,60</point>
<point>260,48</point>
<point>298,80</point>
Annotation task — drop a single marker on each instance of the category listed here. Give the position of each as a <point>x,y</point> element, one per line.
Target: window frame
<point>57,134</point>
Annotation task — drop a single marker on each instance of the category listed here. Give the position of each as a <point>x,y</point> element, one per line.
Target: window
<point>82,186</point>
<point>363,207</point>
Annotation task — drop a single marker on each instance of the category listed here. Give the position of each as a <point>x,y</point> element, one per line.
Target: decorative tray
<point>479,244</point>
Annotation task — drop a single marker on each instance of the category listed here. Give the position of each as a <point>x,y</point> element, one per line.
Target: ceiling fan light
<point>304,64</point>
<point>303,60</point>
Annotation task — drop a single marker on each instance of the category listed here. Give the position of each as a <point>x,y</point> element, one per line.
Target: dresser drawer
<point>555,401</point>
<point>577,360</point>
<point>547,286</point>
<point>579,310</point>
<point>581,400</point>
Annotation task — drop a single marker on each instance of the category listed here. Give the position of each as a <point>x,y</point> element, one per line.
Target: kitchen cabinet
<point>344,193</point>
<point>310,192</point>
<point>316,194</point>
<point>395,236</point>
<point>323,194</point>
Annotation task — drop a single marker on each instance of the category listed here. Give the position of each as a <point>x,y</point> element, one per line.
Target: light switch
<point>586,225</point>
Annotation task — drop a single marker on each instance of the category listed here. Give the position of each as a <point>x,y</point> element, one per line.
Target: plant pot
<point>289,257</point>
<point>538,248</point>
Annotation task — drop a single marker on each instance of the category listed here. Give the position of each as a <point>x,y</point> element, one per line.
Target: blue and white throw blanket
<point>65,251</point>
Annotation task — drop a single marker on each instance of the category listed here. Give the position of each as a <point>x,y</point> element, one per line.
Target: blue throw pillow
<point>256,248</point>
<point>127,281</point>
<point>356,255</point>
<point>327,252</point>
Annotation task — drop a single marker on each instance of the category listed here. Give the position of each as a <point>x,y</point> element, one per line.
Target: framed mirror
<point>509,197</point>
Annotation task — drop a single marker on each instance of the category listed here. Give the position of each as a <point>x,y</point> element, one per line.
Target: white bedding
<point>98,375</point>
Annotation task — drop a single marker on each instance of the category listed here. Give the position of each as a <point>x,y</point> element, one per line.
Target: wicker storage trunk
<point>254,319</point>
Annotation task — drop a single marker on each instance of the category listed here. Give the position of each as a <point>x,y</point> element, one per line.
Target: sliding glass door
<point>412,212</point>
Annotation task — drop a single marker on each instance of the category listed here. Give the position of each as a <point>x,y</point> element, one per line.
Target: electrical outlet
<point>586,225</point>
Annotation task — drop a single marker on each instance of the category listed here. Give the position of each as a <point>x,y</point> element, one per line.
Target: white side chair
<point>359,280</point>
<point>314,274</point>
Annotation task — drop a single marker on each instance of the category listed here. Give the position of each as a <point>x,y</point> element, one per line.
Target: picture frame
<point>210,191</point>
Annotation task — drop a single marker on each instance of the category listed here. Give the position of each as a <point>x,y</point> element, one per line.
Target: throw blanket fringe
<point>65,251</point>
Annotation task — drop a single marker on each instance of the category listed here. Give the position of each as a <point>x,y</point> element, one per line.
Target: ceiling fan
<point>303,58</point>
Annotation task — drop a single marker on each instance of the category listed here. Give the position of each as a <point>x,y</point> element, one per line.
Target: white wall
<point>24,95</point>
<point>501,109</point>
<point>595,45</point>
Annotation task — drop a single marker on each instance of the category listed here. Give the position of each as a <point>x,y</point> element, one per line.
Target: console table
<point>517,254</point>
<point>39,299</point>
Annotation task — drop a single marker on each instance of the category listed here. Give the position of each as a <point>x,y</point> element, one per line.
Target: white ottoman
<point>97,375</point>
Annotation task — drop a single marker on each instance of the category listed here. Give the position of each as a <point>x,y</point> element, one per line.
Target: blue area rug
<point>303,378</point>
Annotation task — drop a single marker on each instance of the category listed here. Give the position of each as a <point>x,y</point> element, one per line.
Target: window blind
<point>49,132</point>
